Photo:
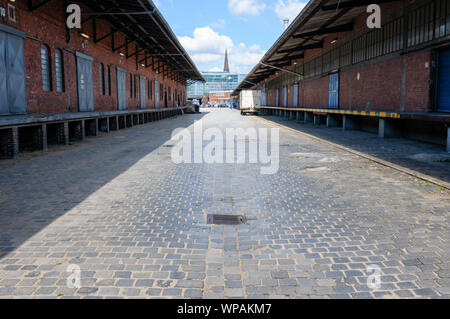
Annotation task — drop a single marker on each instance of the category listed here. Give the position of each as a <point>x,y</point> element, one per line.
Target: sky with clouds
<point>246,28</point>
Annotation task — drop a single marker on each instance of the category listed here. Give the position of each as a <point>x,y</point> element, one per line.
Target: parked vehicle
<point>250,101</point>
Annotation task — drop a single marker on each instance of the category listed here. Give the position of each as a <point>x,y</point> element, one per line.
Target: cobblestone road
<point>135,223</point>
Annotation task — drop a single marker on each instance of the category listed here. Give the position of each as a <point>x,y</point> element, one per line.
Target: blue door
<point>333,91</point>
<point>295,102</point>
<point>444,82</point>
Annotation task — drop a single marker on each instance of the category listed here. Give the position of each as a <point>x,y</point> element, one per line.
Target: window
<point>102,79</point>
<point>59,68</point>
<point>108,81</point>
<point>161,92</point>
<point>45,59</point>
<point>150,90</point>
<point>131,85</point>
<point>11,12</point>
<point>136,80</point>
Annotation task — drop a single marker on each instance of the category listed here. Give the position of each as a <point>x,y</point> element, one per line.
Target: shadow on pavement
<point>31,189</point>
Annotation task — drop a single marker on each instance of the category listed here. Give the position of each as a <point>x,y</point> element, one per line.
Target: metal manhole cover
<point>226,220</point>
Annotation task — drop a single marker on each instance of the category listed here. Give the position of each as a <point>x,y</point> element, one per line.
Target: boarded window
<point>150,90</point>
<point>45,64</point>
<point>102,79</point>
<point>59,68</point>
<point>108,80</point>
<point>131,85</point>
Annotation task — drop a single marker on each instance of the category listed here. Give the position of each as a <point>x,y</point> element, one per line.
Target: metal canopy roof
<point>316,21</point>
<point>142,23</point>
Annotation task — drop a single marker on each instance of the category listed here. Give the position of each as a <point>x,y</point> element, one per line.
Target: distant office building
<point>220,97</point>
<point>216,82</point>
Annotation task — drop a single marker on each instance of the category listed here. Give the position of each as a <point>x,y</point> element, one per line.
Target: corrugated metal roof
<point>306,31</point>
<point>142,23</point>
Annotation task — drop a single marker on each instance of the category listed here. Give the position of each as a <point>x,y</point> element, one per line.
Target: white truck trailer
<point>250,101</point>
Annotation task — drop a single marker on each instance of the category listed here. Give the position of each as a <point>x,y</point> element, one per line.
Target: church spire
<point>226,66</point>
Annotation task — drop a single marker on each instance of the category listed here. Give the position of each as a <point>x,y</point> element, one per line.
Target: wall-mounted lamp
<point>84,35</point>
<point>334,41</point>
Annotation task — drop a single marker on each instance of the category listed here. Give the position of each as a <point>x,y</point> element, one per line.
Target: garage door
<point>13,99</point>
<point>142,91</point>
<point>295,93</point>
<point>444,82</point>
<point>333,91</point>
<point>156,94</point>
<point>277,98</point>
<point>121,89</point>
<point>85,83</point>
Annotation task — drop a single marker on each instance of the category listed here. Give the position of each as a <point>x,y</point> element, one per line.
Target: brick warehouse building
<point>330,68</point>
<point>123,67</point>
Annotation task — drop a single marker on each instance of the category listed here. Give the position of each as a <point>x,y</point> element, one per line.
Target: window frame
<point>47,76</point>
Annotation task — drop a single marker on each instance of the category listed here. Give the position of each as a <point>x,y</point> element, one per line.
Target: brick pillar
<point>301,117</point>
<point>83,130</point>
<point>316,119</point>
<point>15,142</point>
<point>66,133</point>
<point>349,123</point>
<point>387,128</point>
<point>95,129</point>
<point>44,141</point>
<point>332,120</point>
<point>9,143</point>
<point>448,139</point>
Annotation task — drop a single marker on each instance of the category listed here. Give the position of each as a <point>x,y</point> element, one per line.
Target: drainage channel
<point>231,220</point>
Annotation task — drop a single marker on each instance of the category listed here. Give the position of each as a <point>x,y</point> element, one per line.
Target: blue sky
<point>247,28</point>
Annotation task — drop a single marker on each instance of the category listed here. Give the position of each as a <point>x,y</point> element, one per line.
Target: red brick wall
<point>379,86</point>
<point>374,90</point>
<point>418,74</point>
<point>290,95</point>
<point>48,25</point>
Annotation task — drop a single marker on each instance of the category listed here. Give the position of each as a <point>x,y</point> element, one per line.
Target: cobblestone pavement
<point>135,222</point>
<point>426,158</point>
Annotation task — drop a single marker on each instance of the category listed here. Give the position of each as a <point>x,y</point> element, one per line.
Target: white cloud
<point>206,57</point>
<point>215,69</point>
<point>289,9</point>
<point>219,24</point>
<point>243,58</point>
<point>246,7</point>
<point>206,40</point>
<point>207,48</point>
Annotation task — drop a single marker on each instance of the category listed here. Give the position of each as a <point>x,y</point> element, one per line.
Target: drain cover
<point>226,220</point>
